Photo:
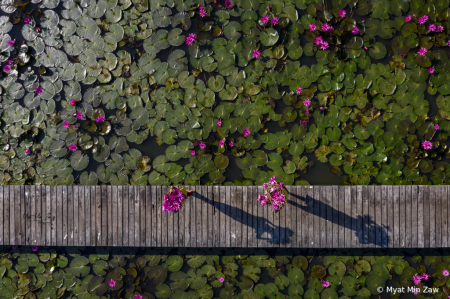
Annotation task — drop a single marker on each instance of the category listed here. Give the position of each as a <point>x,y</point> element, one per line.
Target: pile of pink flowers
<point>175,199</point>
<point>275,195</point>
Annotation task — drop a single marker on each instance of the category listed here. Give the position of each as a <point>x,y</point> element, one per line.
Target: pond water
<point>219,273</point>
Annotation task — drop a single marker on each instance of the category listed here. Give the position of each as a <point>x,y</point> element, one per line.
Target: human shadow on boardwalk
<point>366,230</point>
<point>277,235</point>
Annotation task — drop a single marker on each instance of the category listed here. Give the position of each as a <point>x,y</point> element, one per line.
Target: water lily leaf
<point>269,37</point>
<point>79,161</point>
<point>79,266</point>
<point>378,51</point>
<point>231,30</point>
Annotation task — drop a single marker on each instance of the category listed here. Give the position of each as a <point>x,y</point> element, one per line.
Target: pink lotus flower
<point>319,40</point>
<point>355,30</point>
<point>15,247</point>
<point>436,127</point>
<point>202,14</point>
<point>431,70</point>
<point>275,20</point>
<point>100,119</point>
<point>112,283</point>
<point>26,20</point>
<point>202,145</point>
<point>265,19</point>
<point>422,51</point>
<point>425,276</point>
<point>415,291</point>
<point>79,115</point>
<point>256,54</point>
<point>306,102</point>
<point>39,90</point>
<point>416,279</point>
<point>231,143</point>
<point>6,68</point>
<point>324,46</point>
<point>408,18</point>
<point>34,248</point>
<point>66,124</point>
<point>192,153</point>
<point>27,151</point>
<point>72,102</point>
<point>298,90</point>
<point>38,29</point>
<point>321,108</point>
<point>137,296</point>
<point>307,111</point>
<point>423,19</point>
<point>325,283</point>
<point>246,132</point>
<point>312,27</point>
<point>190,39</point>
<point>326,27</point>
<point>363,21</point>
<point>11,42</point>
<point>201,7</point>
<point>445,273</point>
<point>440,28</point>
<point>342,13</point>
<point>221,279</point>
<point>432,27</point>
<point>74,127</point>
<point>304,122</point>
<point>228,3</point>
<point>73,148</point>
<point>449,43</point>
<point>268,7</point>
<point>222,142</point>
<point>427,145</point>
<point>10,62</point>
<point>219,122</point>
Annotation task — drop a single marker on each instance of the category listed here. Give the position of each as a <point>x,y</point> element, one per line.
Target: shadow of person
<point>364,229</point>
<point>265,230</point>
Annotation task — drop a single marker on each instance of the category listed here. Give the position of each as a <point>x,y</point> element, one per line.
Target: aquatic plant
<point>174,200</point>
<point>275,195</point>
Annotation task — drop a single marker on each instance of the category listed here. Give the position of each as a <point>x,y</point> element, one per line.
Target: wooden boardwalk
<point>315,217</point>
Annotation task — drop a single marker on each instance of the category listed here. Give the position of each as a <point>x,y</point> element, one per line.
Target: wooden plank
<point>426,216</point>
<point>23,212</point>
<point>48,216</point>
<point>115,216</point>
<point>154,221</point>
<point>164,220</point>
<point>59,215</point>
<point>2,240</point>
<point>148,216</point>
<point>336,214</point>
<point>175,229</point>
<point>12,213</point>
<point>323,216</point>
<point>125,214</point>
<point>255,206</point>
<point>119,208</point>
<point>137,218</point>
<point>142,217</point>
<point>105,194</point>
<point>364,240</point>
<point>131,215</point>
<point>87,211</point>
<point>233,212</point>
<point>93,209</point>
<point>372,217</point>
<point>316,213</point>
<point>276,217</point>
<point>70,221</point>
<point>329,216</point>
<point>270,224</point>
<point>98,214</point>
<point>310,213</point>
<point>112,193</point>
<point>210,217</point>
<point>37,220</point>
<point>408,216</point>
<point>414,214</point>
<point>205,210</point>
<point>15,215</point>
<point>65,234</point>
<point>396,216</point>
<point>6,215</point>
<point>193,214</point>
<point>53,216</point>
<point>170,223</point>
<point>444,217</point>
<point>239,219</point>
<point>198,217</point>
<point>348,217</point>
<point>305,216</point>
<point>384,217</point>
<point>354,208</point>
<point>288,225</point>
<point>299,219</point>
<point>402,217</point>
<point>342,216</point>
<point>250,230</point>
<point>28,203</point>
<point>378,227</point>
<point>432,216</point>
<point>390,215</point>
<point>438,217</point>
<point>76,205</point>
<point>187,221</point>
<point>245,217</point>
<point>260,216</point>
<point>81,218</point>
<point>216,216</point>
<point>420,216</point>
<point>227,197</point>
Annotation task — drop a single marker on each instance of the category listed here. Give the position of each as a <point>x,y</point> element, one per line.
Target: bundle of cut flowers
<point>275,195</point>
<point>175,199</point>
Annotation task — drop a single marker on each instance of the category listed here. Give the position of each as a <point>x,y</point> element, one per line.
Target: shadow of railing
<point>264,225</point>
<point>367,224</point>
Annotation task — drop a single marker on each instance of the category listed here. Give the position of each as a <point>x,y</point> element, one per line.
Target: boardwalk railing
<point>314,217</point>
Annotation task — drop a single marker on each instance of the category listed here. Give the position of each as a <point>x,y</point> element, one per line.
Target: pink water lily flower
<point>219,122</point>
<point>298,90</point>
<point>416,279</point>
<point>326,27</point>
<point>342,13</point>
<point>190,39</point>
<point>432,27</point>
<point>425,276</point>
<point>202,14</point>
<point>26,20</point>
<point>66,124</point>
<point>445,273</point>
<point>422,51</point>
<point>325,283</point>
<point>10,62</point>
<point>423,19</point>
<point>34,248</point>
<point>112,283</point>
<point>246,132</point>
<point>202,145</point>
<point>408,18</point>
<point>440,28</point>
<point>11,42</point>
<point>312,27</point>
<point>79,115</point>
<point>449,43</point>
<point>275,21</point>
<point>228,3</point>
<point>265,19</point>
<point>306,102</point>
<point>28,151</point>
<point>222,142</point>
<point>39,90</point>
<point>431,70</point>
<point>192,153</point>
<point>100,119</point>
<point>72,102</point>
<point>6,68</point>
<point>307,111</point>
<point>137,296</point>
<point>304,122</point>
<point>221,279</point>
<point>427,145</point>
<point>231,143</point>
<point>256,54</point>
<point>436,127</point>
<point>324,46</point>
<point>73,148</point>
<point>415,291</point>
<point>355,30</point>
